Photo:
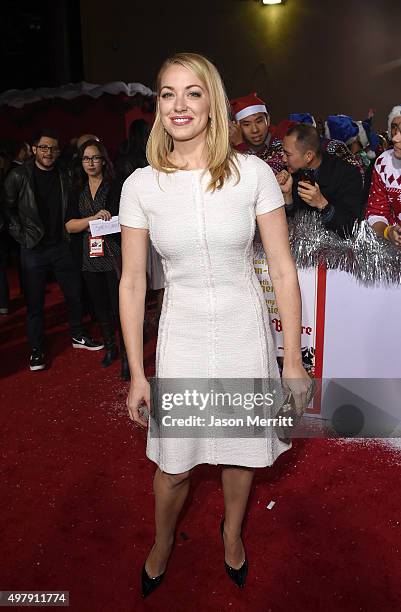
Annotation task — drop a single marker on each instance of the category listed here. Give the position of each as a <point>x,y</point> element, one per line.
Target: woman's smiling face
<point>184,104</point>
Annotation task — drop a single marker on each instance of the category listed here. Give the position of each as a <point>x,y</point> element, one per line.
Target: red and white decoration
<point>385,195</point>
<point>350,331</point>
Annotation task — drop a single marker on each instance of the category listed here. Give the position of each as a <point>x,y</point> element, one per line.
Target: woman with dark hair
<point>132,153</point>
<point>97,197</point>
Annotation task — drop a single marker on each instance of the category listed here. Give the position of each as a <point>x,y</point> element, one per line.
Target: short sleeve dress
<point>214,322</point>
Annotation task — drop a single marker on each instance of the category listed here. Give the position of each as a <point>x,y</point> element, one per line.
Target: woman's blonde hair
<point>220,155</point>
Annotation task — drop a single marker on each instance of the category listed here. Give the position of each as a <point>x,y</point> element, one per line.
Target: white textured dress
<point>214,321</point>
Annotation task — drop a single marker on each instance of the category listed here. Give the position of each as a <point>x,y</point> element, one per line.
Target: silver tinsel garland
<point>370,259</point>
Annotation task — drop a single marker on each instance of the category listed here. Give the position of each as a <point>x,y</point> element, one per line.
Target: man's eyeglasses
<point>47,149</point>
<point>96,159</point>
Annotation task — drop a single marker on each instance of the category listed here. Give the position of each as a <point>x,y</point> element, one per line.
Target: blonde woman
<point>199,201</point>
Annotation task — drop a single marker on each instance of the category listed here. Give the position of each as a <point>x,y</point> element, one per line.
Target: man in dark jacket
<point>337,189</point>
<point>35,198</point>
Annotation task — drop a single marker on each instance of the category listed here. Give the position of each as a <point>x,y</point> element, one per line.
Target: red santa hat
<point>248,105</point>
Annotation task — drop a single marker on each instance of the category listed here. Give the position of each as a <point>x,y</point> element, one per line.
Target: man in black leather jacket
<point>35,198</point>
<point>332,187</point>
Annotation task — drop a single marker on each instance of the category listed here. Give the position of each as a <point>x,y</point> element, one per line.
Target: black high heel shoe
<point>238,576</point>
<point>150,584</point>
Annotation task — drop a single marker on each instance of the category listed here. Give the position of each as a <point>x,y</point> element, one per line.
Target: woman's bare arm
<point>283,274</point>
<point>134,245</point>
<point>274,234</point>
<point>74,226</point>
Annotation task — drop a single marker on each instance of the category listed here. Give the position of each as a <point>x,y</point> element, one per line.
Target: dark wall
<point>40,43</point>
<point>320,56</point>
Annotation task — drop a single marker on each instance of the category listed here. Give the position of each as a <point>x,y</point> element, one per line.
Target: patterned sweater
<point>272,153</point>
<point>384,203</point>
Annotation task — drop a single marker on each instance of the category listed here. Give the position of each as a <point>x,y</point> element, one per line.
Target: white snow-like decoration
<point>19,97</point>
<point>392,444</point>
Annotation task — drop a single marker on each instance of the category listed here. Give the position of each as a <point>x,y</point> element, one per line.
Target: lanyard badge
<point>96,246</point>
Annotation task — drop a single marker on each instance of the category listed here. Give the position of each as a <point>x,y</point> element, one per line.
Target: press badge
<point>96,247</point>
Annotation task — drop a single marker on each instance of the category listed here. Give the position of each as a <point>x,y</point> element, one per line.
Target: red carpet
<point>77,503</point>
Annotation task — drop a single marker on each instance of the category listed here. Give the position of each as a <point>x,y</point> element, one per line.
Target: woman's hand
<point>394,236</point>
<point>102,214</point>
<point>139,394</point>
<point>296,380</point>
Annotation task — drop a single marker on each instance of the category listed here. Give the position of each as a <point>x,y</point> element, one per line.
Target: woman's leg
<point>237,482</point>
<point>170,491</point>
<point>113,289</point>
<point>96,283</point>
<point>113,284</point>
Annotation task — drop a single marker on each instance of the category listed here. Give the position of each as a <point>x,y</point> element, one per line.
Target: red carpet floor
<point>77,503</point>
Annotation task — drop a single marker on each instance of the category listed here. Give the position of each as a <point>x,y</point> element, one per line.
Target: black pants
<point>103,291</point>
<point>4,288</point>
<point>36,263</point>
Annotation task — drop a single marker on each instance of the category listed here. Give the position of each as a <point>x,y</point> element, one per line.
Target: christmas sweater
<point>384,203</point>
<point>271,153</point>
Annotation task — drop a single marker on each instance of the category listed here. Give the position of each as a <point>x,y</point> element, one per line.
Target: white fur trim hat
<point>248,105</point>
<point>362,136</point>
<point>396,112</point>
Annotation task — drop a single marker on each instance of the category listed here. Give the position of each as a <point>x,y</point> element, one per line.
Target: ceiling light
<point>272,1</point>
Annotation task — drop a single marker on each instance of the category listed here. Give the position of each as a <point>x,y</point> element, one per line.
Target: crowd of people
<point>338,167</point>
<point>48,199</point>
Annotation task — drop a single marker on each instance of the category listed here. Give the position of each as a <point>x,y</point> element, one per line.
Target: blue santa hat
<point>303,118</point>
<point>341,127</point>
<point>373,141</point>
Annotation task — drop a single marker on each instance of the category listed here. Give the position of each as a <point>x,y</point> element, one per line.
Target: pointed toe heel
<point>150,584</point>
<point>238,576</point>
